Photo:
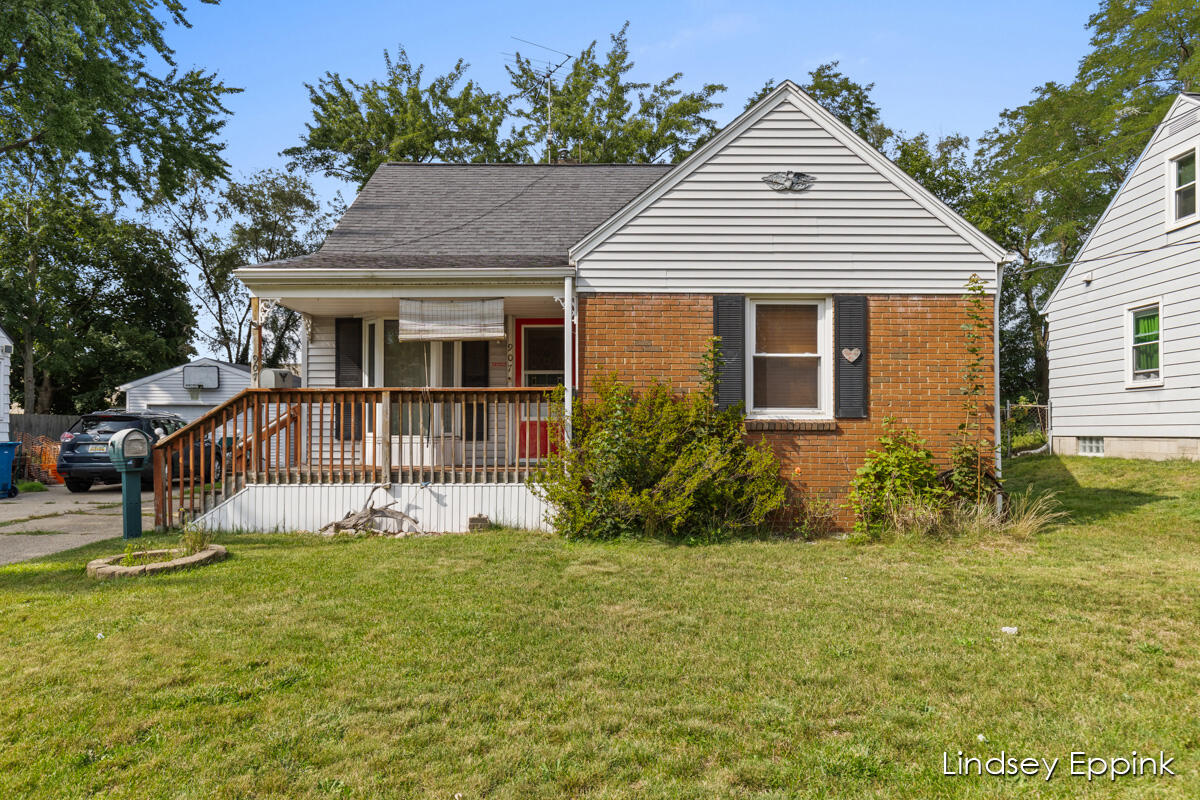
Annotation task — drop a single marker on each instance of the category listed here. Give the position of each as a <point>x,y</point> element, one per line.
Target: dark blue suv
<point>83,455</point>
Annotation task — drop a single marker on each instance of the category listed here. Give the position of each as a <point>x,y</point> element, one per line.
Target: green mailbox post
<point>128,451</point>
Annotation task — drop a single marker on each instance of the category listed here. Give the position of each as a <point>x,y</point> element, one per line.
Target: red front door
<point>539,362</point>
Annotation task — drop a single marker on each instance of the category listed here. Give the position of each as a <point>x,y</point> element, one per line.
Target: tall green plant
<point>972,452</point>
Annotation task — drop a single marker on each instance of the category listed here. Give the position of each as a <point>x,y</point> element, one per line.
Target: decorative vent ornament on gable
<point>789,181</point>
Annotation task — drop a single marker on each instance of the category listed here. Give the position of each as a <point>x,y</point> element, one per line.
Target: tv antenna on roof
<point>551,68</point>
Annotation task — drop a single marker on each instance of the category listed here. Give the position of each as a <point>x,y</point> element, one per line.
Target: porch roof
<point>469,216</point>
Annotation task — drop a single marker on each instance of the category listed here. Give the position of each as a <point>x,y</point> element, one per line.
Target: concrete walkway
<point>37,524</point>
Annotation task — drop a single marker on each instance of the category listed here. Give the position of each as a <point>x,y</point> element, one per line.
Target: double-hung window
<point>788,365</point>
<point>1181,183</point>
<point>1145,344</point>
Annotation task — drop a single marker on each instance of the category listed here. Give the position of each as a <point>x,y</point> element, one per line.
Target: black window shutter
<point>850,356</point>
<point>729,323</point>
<point>348,371</point>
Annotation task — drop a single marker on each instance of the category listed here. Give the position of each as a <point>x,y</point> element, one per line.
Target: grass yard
<point>516,665</point>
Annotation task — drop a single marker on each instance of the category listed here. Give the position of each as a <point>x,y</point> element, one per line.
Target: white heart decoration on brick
<point>851,353</point>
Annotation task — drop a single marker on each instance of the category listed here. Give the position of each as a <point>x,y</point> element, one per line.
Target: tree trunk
<point>45,396</point>
<point>1037,327</point>
<point>29,397</point>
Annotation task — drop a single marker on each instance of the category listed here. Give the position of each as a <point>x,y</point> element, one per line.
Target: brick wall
<point>916,350</point>
<point>643,336</point>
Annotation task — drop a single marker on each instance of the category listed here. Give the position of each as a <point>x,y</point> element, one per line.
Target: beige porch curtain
<point>451,320</point>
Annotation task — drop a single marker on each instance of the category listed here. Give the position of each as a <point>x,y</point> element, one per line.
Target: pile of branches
<point>368,521</point>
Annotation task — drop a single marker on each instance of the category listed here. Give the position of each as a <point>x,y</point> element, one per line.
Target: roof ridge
<point>510,164</point>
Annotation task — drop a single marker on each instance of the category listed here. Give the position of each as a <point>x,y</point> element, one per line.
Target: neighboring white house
<point>6,348</point>
<point>1124,321</point>
<point>188,390</point>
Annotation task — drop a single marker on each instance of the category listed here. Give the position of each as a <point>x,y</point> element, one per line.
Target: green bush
<point>30,486</point>
<point>1030,440</point>
<point>655,464</point>
<point>900,472</point>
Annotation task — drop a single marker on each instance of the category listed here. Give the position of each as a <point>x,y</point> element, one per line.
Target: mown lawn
<point>516,665</point>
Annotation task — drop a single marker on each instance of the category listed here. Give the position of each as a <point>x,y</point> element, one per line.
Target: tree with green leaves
<point>358,126</point>
<point>1054,163</point>
<point>273,215</point>
<point>92,301</point>
<point>599,115</point>
<point>77,91</point>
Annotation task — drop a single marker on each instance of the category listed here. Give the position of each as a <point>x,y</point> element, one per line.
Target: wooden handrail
<point>350,435</point>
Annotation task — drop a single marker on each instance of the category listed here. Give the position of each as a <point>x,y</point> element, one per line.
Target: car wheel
<point>78,486</point>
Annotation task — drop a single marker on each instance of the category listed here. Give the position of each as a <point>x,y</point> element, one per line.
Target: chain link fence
<point>1024,428</point>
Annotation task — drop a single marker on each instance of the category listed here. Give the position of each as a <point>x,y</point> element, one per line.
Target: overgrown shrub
<point>900,473</point>
<point>656,464</point>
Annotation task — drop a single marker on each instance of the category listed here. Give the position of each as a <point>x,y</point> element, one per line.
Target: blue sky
<point>940,67</point>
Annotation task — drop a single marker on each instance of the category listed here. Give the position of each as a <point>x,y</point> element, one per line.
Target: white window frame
<point>824,354</point>
<point>1172,221</point>
<point>1127,322</point>
<point>1093,450</point>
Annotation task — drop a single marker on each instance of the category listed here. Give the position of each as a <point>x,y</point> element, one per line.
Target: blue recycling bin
<point>8,454</point>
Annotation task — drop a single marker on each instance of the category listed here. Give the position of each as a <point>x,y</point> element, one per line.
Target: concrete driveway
<point>35,524</point>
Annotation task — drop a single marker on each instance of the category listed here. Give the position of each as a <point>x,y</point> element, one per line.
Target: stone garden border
<point>108,567</point>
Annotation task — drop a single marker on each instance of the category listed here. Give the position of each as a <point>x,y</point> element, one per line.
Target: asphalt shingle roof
<point>477,215</point>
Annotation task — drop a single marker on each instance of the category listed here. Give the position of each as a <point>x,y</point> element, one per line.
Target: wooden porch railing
<point>313,436</point>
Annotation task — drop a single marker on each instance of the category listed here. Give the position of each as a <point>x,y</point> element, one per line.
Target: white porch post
<point>256,344</point>
<point>568,352</point>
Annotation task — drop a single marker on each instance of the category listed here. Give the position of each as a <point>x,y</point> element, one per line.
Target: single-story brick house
<point>449,297</point>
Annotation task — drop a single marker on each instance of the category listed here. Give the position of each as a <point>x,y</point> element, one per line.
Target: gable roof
<point>432,216</point>
<point>1191,99</point>
<point>785,92</point>
<point>4,337</point>
<point>236,370</point>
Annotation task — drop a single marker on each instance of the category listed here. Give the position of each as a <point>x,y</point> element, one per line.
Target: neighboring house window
<point>1145,339</point>
<point>1091,445</point>
<point>1182,200</point>
<point>788,370</point>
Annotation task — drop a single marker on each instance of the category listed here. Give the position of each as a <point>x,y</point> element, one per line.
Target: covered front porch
<point>401,396</point>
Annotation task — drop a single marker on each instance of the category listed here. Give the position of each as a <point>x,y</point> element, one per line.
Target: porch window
<point>789,357</point>
<point>406,364</point>
<point>1146,338</point>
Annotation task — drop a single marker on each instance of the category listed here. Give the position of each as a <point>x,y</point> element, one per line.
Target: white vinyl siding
<point>722,229</point>
<point>322,354</point>
<point>168,394</point>
<point>1090,323</point>
<point>443,508</point>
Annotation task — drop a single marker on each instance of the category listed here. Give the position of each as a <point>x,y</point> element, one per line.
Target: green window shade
<point>1145,326</point>
<point>1145,344</point>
